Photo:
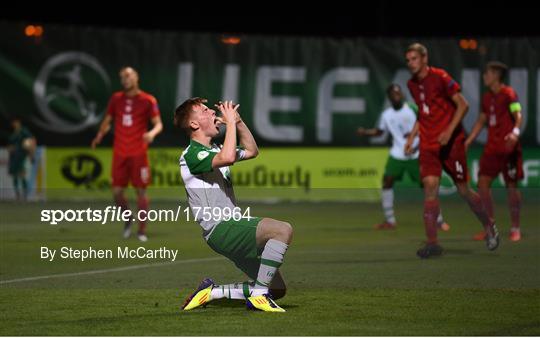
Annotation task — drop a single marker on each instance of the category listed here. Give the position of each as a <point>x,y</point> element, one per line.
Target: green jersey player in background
<point>255,245</point>
<point>21,146</point>
<point>398,120</point>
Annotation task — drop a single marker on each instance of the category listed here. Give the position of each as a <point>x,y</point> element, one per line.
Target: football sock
<point>388,205</point>
<point>487,200</point>
<point>514,203</point>
<point>431,211</point>
<point>16,185</point>
<point>121,202</point>
<point>271,260</point>
<point>232,291</point>
<point>24,182</point>
<point>142,204</point>
<point>476,205</point>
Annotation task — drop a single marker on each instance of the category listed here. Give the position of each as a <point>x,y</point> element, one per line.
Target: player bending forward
<point>255,245</point>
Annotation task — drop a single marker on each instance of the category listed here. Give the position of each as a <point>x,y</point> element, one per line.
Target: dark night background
<point>370,19</point>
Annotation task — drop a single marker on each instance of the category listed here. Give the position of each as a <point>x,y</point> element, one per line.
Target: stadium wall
<point>293,91</point>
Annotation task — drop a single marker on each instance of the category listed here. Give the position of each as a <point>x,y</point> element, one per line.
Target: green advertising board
<point>278,173</point>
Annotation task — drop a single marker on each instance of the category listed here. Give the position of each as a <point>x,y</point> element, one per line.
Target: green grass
<point>344,278</point>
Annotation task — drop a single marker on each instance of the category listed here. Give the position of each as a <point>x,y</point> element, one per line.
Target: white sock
<point>271,259</point>
<point>232,291</point>
<point>388,205</point>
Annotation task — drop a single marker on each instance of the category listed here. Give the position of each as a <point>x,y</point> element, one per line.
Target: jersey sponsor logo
<point>202,155</point>
<point>66,101</point>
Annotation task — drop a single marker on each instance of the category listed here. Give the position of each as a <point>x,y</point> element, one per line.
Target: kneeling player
<point>255,245</point>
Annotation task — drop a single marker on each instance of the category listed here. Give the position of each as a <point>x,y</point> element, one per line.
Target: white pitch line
<point>95,272</point>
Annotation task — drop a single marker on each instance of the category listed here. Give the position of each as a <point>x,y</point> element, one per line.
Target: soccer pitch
<point>343,277</point>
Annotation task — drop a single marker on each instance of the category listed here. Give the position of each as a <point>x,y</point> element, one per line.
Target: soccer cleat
<point>142,237</point>
<point>263,303</point>
<point>127,229</point>
<point>201,296</point>
<point>385,226</point>
<point>492,238</point>
<point>443,226</point>
<point>429,250</point>
<point>480,236</point>
<point>515,235</point>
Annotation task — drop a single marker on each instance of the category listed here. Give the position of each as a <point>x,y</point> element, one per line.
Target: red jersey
<point>433,96</point>
<point>500,118</point>
<point>131,116</point>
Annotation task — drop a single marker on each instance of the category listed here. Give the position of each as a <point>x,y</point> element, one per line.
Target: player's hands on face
<point>148,137</point>
<point>229,112</point>
<point>444,137</point>
<point>238,119</point>
<point>511,140</point>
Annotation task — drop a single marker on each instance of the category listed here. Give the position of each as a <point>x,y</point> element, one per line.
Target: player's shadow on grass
<point>238,303</point>
<point>234,303</point>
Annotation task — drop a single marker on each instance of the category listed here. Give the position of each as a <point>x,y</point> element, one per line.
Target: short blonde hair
<point>417,47</point>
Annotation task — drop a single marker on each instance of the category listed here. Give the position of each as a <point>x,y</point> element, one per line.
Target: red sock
<point>121,202</point>
<point>487,201</point>
<point>514,202</point>
<point>142,203</point>
<point>476,205</point>
<point>431,211</point>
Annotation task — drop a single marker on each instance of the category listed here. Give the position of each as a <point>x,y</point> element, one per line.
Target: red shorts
<point>510,164</point>
<point>134,169</point>
<point>452,158</point>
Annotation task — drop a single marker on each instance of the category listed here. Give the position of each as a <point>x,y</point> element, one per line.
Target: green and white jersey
<point>399,123</point>
<point>206,186</point>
